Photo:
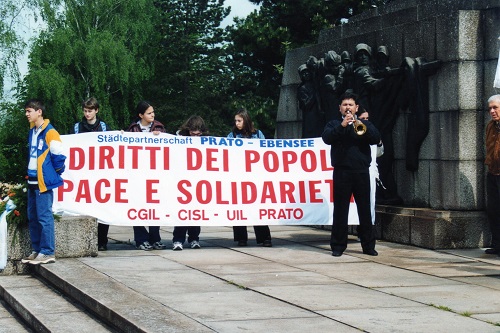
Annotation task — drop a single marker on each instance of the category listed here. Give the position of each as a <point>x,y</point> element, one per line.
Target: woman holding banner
<point>194,126</point>
<point>145,122</point>
<point>243,128</point>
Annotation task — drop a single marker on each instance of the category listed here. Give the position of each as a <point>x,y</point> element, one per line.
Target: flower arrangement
<point>18,195</point>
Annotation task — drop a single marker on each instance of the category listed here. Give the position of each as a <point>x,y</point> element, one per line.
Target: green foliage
<point>94,48</point>
<point>13,142</point>
<point>191,73</point>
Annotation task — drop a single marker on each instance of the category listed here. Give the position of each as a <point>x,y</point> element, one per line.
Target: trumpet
<point>359,127</point>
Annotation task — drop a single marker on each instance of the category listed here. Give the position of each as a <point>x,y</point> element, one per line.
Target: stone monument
<point>442,182</point>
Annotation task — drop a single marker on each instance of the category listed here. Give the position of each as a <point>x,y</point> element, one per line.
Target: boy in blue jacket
<point>45,166</point>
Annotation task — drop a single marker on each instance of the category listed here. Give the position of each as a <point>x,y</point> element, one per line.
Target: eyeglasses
<point>195,133</point>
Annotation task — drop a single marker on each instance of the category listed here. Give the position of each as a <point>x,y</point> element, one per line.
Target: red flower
<point>16,212</point>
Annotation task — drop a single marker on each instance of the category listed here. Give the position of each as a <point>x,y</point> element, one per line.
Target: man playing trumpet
<point>351,157</point>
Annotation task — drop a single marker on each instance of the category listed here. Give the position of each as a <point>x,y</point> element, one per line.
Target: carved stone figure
<point>313,120</point>
<point>383,91</point>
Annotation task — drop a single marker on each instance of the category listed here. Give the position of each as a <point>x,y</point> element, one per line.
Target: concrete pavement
<point>294,286</point>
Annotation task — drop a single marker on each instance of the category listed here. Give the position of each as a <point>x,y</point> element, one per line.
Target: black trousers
<point>493,208</point>
<point>262,233</point>
<point>102,234</point>
<point>345,185</point>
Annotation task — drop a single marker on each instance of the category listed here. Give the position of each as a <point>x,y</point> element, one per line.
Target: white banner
<point>145,179</point>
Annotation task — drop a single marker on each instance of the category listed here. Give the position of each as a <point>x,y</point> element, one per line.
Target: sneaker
<point>195,245</point>
<point>29,258</point>
<point>145,246</point>
<point>177,246</point>
<point>159,246</point>
<point>102,248</point>
<point>43,259</point>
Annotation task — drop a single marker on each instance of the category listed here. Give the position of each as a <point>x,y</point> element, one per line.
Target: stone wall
<point>76,236</point>
<point>463,34</point>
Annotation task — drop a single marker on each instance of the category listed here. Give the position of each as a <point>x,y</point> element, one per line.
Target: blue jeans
<point>41,221</point>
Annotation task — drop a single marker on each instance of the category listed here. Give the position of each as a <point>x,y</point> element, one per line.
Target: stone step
<point>9,321</point>
<point>112,302</point>
<point>43,309</point>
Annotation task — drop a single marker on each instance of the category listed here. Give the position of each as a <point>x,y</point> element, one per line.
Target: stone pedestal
<point>463,35</point>
<point>76,236</point>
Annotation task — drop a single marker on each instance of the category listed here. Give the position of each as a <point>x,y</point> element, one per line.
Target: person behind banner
<point>145,122</point>
<point>243,128</point>
<point>91,123</point>
<point>376,151</point>
<point>350,158</point>
<point>45,166</point>
<point>492,160</point>
<point>194,126</point>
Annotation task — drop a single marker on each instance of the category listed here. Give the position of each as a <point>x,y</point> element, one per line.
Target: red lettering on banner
<point>135,156</point>
<point>98,192</point>
<point>76,158</point>
<point>119,190</point>
<point>248,193</point>
<point>288,158</point>
<point>268,193</point>
<point>281,214</point>
<point>109,157</point>
<point>325,161</point>
<point>150,190</point>
<point>195,159</point>
<point>273,162</point>
<point>218,194</point>
<point>83,191</point>
<point>181,187</point>
<point>251,157</point>
<point>66,187</point>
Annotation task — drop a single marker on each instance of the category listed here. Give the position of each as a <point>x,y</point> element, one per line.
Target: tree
<point>97,48</point>
<point>191,76</point>
<point>260,41</point>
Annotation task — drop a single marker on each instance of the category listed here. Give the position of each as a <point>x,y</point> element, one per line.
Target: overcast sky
<point>240,8</point>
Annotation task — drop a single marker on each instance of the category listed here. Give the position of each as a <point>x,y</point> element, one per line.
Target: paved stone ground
<point>294,286</point>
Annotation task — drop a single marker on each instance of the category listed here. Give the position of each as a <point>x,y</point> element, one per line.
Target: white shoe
<point>177,246</point>
<point>43,259</point>
<point>195,245</point>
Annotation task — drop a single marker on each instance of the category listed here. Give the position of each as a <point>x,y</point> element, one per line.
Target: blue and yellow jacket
<point>50,158</point>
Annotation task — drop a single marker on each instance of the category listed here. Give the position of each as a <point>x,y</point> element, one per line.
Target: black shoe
<point>336,253</point>
<point>242,243</point>
<point>370,252</point>
<point>102,248</point>
<point>492,251</point>
<point>267,243</point>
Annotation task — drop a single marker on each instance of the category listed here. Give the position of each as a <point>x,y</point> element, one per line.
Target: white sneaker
<point>159,246</point>
<point>145,246</point>
<point>195,245</point>
<point>43,259</point>
<point>177,246</point>
<point>29,258</point>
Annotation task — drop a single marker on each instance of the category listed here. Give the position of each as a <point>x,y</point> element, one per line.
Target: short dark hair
<point>349,95</point>
<point>90,103</point>
<point>35,104</point>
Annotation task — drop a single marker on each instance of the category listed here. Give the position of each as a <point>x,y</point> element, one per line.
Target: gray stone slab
<point>9,325</point>
<point>458,269</point>
<point>173,282</point>
<point>492,282</point>
<point>334,297</point>
<point>492,318</point>
<point>373,275</point>
<point>239,304</point>
<point>409,319</point>
<point>148,262</point>
<point>117,303</point>
<point>218,256</point>
<point>51,310</point>
<point>288,325</point>
<point>236,268</point>
<point>460,298</point>
<point>264,279</point>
